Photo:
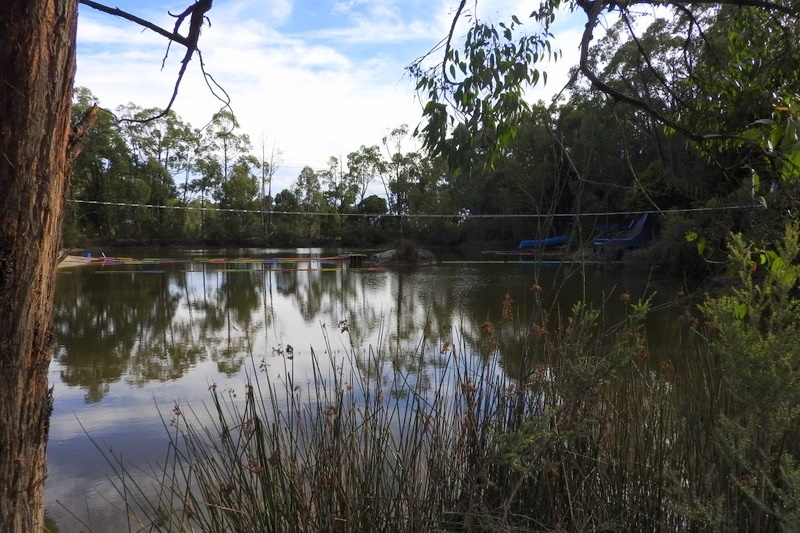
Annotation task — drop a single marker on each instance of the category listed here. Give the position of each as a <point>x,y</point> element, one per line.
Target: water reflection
<point>117,327</point>
<point>127,323</point>
<point>133,338</point>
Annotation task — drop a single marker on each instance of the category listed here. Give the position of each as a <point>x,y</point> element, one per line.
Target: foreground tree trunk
<point>37,65</point>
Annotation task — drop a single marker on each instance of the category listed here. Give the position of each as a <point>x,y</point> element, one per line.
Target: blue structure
<point>544,243</point>
<point>640,233</point>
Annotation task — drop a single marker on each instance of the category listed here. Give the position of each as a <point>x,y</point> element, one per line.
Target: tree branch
<point>644,54</point>
<point>760,4</point>
<point>196,13</point>
<point>450,39</point>
<point>593,11</point>
<point>79,131</point>
<point>172,36</point>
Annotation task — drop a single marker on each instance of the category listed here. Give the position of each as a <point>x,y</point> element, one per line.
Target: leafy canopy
<point>475,91</point>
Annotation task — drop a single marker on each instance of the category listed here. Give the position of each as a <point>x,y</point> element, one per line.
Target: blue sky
<point>309,78</point>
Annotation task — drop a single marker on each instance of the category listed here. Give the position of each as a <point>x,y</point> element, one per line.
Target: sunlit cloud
<point>310,79</point>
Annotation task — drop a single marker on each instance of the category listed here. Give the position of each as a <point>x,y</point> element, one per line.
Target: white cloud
<point>312,90</point>
<point>347,7</point>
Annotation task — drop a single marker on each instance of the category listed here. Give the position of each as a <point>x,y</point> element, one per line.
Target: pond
<point>135,336</point>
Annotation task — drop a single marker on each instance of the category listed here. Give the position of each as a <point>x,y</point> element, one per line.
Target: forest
<point>583,159</point>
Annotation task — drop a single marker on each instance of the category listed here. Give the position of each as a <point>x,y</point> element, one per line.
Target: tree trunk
<point>37,65</point>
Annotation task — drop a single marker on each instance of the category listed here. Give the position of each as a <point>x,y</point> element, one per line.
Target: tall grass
<point>574,428</point>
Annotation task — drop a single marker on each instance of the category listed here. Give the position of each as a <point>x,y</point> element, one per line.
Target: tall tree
<point>209,179</point>
<point>238,193</point>
<point>167,139</point>
<point>286,227</point>
<point>225,140</point>
<point>402,169</point>
<point>37,145</point>
<point>99,171</point>
<point>37,65</point>
<point>308,191</point>
<point>268,170</point>
<point>363,167</point>
<point>341,187</point>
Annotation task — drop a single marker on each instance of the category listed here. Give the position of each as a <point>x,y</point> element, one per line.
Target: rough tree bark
<point>37,65</point>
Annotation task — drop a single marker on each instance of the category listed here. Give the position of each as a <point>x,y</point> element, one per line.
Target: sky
<point>307,79</point>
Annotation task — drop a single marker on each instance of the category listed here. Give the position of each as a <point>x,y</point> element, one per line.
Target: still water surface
<point>135,337</point>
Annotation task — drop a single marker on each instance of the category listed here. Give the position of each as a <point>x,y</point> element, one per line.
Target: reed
<point>547,423</point>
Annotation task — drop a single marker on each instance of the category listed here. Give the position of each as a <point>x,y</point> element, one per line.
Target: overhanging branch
<point>760,4</point>
<point>593,10</point>
<point>196,14</point>
<point>172,36</point>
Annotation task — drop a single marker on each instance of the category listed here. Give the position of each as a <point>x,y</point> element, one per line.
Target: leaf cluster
<point>476,95</point>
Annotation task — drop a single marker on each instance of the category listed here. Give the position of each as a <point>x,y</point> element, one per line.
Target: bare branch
<point>172,36</point>
<point>197,16</point>
<point>593,11</point>
<point>450,39</point>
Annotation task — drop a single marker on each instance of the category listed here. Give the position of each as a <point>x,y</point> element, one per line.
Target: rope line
<point>462,216</point>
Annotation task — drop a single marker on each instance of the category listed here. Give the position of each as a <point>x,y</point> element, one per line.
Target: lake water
<point>136,336</point>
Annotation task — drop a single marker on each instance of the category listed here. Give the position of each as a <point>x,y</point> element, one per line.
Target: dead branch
<point>197,16</point>
<point>172,36</point>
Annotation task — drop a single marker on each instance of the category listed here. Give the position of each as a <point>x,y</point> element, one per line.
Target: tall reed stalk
<point>551,423</point>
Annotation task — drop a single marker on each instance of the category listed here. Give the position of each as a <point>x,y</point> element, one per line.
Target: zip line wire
<point>462,216</point>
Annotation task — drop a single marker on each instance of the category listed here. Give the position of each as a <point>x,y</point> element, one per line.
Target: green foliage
<point>364,167</point>
<point>238,194</point>
<point>370,230</point>
<point>780,135</point>
<point>755,339</point>
<point>103,166</point>
<point>697,72</point>
<point>475,96</point>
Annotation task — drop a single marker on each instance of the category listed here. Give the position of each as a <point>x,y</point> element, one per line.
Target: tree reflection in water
<point>127,339</point>
<point>123,324</point>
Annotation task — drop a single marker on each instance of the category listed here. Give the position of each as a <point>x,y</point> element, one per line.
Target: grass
<point>361,446</point>
<point>576,427</point>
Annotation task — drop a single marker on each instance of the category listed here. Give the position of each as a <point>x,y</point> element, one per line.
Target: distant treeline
<point>586,154</point>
